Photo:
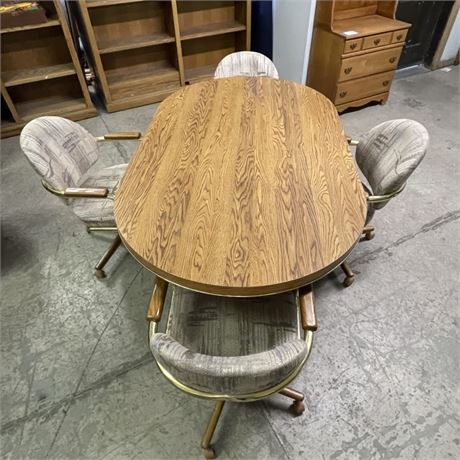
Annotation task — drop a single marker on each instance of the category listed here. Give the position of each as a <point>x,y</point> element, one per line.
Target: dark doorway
<point>428,20</point>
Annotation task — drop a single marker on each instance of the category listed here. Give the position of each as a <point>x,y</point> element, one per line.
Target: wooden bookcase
<point>142,51</point>
<point>41,74</point>
<point>356,47</point>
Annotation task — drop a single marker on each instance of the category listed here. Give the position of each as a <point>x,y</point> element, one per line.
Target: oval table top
<point>241,187</point>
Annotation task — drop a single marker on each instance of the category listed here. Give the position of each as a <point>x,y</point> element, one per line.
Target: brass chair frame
<point>98,193</point>
<point>306,320</point>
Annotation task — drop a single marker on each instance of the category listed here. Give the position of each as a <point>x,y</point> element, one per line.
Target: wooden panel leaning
<point>143,51</point>
<point>353,41</point>
<point>41,74</point>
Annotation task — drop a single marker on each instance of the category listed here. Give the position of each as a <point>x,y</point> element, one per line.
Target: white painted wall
<point>292,32</point>
<point>453,42</point>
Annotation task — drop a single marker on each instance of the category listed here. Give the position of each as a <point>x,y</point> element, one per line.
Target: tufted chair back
<point>60,150</point>
<point>246,64</point>
<point>389,153</point>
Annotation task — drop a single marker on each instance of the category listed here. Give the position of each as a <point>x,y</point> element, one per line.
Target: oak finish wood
<point>143,51</point>
<point>307,309</point>
<point>157,301</point>
<point>242,186</point>
<point>352,41</point>
<point>41,74</point>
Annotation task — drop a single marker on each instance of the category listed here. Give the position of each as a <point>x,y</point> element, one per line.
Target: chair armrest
<point>307,309</point>
<point>86,192</point>
<point>157,301</point>
<point>77,192</point>
<point>120,136</point>
<point>352,141</point>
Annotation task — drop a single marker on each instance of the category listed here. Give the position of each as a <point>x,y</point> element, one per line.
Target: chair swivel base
<point>349,275</point>
<point>99,272</point>
<point>369,232</point>
<point>297,407</point>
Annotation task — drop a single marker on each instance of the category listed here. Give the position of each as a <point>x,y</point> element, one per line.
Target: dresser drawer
<point>375,41</point>
<point>399,36</point>
<point>352,45</point>
<point>369,64</point>
<point>363,87</point>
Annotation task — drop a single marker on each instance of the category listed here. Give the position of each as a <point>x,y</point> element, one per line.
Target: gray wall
<point>292,30</point>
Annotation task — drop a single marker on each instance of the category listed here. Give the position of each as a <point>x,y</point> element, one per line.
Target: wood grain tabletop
<point>241,187</point>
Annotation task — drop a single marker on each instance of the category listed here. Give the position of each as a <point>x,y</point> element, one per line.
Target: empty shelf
<point>50,23</point>
<point>208,30</point>
<point>49,105</point>
<point>126,43</point>
<point>22,76</point>
<point>200,73</point>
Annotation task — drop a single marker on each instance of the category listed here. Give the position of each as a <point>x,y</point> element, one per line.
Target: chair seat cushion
<point>230,375</point>
<point>96,211</point>
<point>230,345</point>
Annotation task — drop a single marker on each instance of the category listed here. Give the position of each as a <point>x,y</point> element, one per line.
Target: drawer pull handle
<point>385,83</point>
<point>343,94</point>
<point>399,37</point>
<point>348,70</point>
<point>392,59</point>
<point>353,46</point>
<point>376,41</point>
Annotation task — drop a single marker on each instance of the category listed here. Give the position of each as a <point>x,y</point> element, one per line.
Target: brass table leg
<point>350,276</point>
<point>207,436</point>
<point>106,257</point>
<point>298,406</point>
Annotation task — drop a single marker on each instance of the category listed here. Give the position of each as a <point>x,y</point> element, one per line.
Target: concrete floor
<point>78,380</point>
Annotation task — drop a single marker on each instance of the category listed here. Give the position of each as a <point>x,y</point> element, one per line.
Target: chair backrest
<point>389,153</point>
<point>60,150</point>
<point>246,64</point>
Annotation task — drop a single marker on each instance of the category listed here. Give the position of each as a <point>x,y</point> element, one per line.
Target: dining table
<point>242,186</point>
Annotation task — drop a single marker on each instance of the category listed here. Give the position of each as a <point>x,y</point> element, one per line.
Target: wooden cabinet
<point>355,49</point>
<point>142,51</point>
<point>40,73</point>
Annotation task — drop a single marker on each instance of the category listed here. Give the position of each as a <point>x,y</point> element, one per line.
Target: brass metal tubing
<point>211,427</point>
<point>109,253</point>
<point>386,197</point>
<point>101,229</point>
<point>347,269</point>
<point>293,394</point>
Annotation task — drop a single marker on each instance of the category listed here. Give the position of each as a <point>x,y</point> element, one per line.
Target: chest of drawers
<point>355,50</point>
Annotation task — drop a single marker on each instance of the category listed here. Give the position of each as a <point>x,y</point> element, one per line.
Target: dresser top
<point>367,25</point>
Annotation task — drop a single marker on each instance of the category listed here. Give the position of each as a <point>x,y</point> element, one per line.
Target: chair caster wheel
<point>209,452</point>
<point>369,235</point>
<point>298,407</point>
<point>348,281</point>
<point>100,274</point>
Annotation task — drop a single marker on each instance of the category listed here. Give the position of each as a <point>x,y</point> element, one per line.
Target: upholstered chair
<point>246,64</point>
<point>387,155</point>
<point>62,153</point>
<point>232,349</point>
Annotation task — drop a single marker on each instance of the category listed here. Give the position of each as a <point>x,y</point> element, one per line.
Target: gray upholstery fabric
<point>99,211</point>
<point>228,345</point>
<point>246,64</point>
<point>60,150</point>
<point>389,153</point>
